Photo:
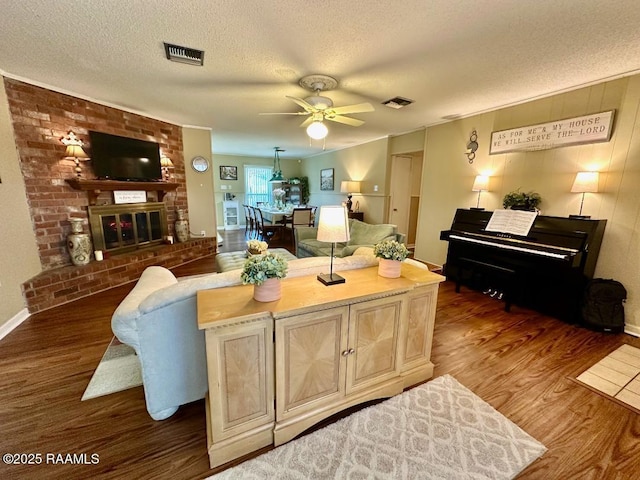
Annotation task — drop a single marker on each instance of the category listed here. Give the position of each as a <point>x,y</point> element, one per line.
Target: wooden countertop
<point>303,293</point>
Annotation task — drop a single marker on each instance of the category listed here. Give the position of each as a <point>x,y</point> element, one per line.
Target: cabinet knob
<point>351,351</point>
<point>345,353</point>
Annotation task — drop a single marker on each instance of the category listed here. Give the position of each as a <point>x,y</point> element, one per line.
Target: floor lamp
<point>333,226</point>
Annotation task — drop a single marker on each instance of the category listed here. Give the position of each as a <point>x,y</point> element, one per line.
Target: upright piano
<point>545,270</point>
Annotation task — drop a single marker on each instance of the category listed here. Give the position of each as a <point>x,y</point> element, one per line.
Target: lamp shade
<point>350,186</point>
<point>585,182</point>
<point>481,184</point>
<point>75,151</point>
<point>166,162</point>
<point>333,224</point>
<point>317,130</point>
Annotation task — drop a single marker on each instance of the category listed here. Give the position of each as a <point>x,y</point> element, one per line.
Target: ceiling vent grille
<point>190,56</point>
<point>397,102</point>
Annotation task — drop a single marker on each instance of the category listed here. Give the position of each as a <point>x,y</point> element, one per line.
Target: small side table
<point>357,215</point>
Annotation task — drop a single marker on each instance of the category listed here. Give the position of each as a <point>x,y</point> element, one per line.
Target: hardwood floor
<point>521,362</point>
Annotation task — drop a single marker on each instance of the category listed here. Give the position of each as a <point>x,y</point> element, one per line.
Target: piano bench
<point>505,277</point>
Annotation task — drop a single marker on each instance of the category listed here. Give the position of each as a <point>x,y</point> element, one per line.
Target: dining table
<point>275,215</point>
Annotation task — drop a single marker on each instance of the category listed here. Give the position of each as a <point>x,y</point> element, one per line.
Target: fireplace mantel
<point>95,187</point>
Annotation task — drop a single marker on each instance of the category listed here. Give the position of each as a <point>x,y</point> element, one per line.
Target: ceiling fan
<point>319,108</point>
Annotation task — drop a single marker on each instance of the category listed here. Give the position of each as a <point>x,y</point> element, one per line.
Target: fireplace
<point>126,227</point>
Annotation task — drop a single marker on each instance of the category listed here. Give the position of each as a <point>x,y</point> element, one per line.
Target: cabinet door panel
<point>373,335</point>
<point>309,358</point>
<point>243,398</point>
<point>417,344</point>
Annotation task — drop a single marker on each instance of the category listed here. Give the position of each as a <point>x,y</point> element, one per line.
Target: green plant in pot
<point>265,272</point>
<point>517,200</point>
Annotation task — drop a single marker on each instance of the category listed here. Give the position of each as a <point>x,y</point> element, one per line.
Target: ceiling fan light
<point>317,130</point>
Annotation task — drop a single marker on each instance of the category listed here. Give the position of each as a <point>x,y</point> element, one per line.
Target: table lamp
<point>585,182</point>
<point>349,187</point>
<point>480,184</point>
<point>333,226</point>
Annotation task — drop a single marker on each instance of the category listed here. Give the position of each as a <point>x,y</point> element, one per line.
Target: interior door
<point>400,190</point>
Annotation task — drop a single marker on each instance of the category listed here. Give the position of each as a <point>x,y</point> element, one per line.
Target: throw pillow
<point>366,234</point>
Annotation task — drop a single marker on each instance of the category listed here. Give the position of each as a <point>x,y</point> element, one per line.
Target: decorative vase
<point>269,291</point>
<point>78,243</point>
<point>389,268</point>
<point>181,227</point>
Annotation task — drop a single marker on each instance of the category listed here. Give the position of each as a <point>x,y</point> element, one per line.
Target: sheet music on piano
<point>515,222</point>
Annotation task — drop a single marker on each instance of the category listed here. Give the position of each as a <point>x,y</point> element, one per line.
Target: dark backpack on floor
<point>602,305</point>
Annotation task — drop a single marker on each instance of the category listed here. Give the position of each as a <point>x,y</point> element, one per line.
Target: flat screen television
<point>122,158</point>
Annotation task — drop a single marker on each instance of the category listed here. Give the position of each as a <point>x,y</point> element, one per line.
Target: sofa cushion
<point>367,234</point>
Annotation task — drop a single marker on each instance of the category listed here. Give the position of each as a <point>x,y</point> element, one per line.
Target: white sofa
<point>158,319</point>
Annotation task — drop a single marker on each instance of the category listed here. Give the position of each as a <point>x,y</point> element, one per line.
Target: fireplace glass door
<point>121,228</point>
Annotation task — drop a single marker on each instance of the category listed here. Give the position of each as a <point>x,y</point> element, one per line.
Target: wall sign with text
<point>561,133</point>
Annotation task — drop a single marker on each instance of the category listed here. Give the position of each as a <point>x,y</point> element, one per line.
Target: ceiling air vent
<point>191,56</point>
<point>397,102</point>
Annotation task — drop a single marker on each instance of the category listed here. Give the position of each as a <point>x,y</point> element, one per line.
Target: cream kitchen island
<point>277,368</point>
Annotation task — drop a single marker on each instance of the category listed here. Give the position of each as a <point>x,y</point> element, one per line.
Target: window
<point>256,184</point>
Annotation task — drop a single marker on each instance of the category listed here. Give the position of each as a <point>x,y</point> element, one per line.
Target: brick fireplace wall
<point>41,118</point>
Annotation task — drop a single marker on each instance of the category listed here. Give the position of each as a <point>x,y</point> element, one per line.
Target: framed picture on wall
<point>326,179</point>
<point>228,173</point>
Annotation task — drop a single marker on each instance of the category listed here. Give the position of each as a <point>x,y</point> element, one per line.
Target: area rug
<point>118,370</point>
<point>617,376</point>
<point>438,430</point>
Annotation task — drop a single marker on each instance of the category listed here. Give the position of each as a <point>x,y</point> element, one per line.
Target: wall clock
<point>200,164</point>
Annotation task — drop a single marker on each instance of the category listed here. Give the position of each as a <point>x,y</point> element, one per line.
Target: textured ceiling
<point>451,57</point>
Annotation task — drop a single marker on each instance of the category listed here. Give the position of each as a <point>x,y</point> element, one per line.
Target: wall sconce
<point>472,146</point>
<point>166,164</point>
<point>277,171</point>
<point>349,187</point>
<point>480,184</point>
<point>585,182</point>
<point>74,150</point>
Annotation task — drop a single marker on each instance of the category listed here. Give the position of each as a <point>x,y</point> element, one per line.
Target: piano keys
<point>545,270</point>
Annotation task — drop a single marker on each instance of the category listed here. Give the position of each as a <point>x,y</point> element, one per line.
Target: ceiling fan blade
<point>283,113</point>
<point>346,120</point>
<point>307,106</point>
<point>307,122</point>
<point>358,108</point>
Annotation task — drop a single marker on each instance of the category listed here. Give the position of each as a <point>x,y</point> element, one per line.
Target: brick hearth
<point>61,285</point>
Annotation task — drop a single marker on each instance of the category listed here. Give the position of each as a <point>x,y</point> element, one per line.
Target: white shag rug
<point>438,430</point>
<point>118,370</point>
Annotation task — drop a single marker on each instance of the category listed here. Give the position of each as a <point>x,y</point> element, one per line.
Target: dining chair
<point>299,217</point>
<point>266,231</point>
<point>248,219</point>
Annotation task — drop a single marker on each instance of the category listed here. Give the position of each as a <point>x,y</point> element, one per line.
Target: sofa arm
<point>305,233</point>
<point>401,237</point>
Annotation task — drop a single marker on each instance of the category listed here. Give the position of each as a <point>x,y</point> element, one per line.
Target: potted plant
<point>264,272</point>
<point>517,200</point>
<point>256,247</point>
<point>391,254</point>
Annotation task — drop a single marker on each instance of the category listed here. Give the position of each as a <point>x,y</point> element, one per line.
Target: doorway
<point>404,193</point>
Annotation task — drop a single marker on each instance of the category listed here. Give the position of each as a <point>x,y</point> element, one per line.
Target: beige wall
<point>290,168</point>
<point>202,210</point>
<point>19,259</point>
<point>365,163</point>
<point>448,176</point>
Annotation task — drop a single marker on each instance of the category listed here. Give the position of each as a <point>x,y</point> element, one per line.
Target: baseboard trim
<point>632,330</point>
<point>7,327</point>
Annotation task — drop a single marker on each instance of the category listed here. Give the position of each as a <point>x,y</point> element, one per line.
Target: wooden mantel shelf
<point>94,187</point>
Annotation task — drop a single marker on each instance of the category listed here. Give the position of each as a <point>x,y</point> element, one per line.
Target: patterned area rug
<point>617,376</point>
<point>118,370</point>
<point>438,430</point>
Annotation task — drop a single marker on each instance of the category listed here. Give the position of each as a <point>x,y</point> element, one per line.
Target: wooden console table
<point>275,369</point>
